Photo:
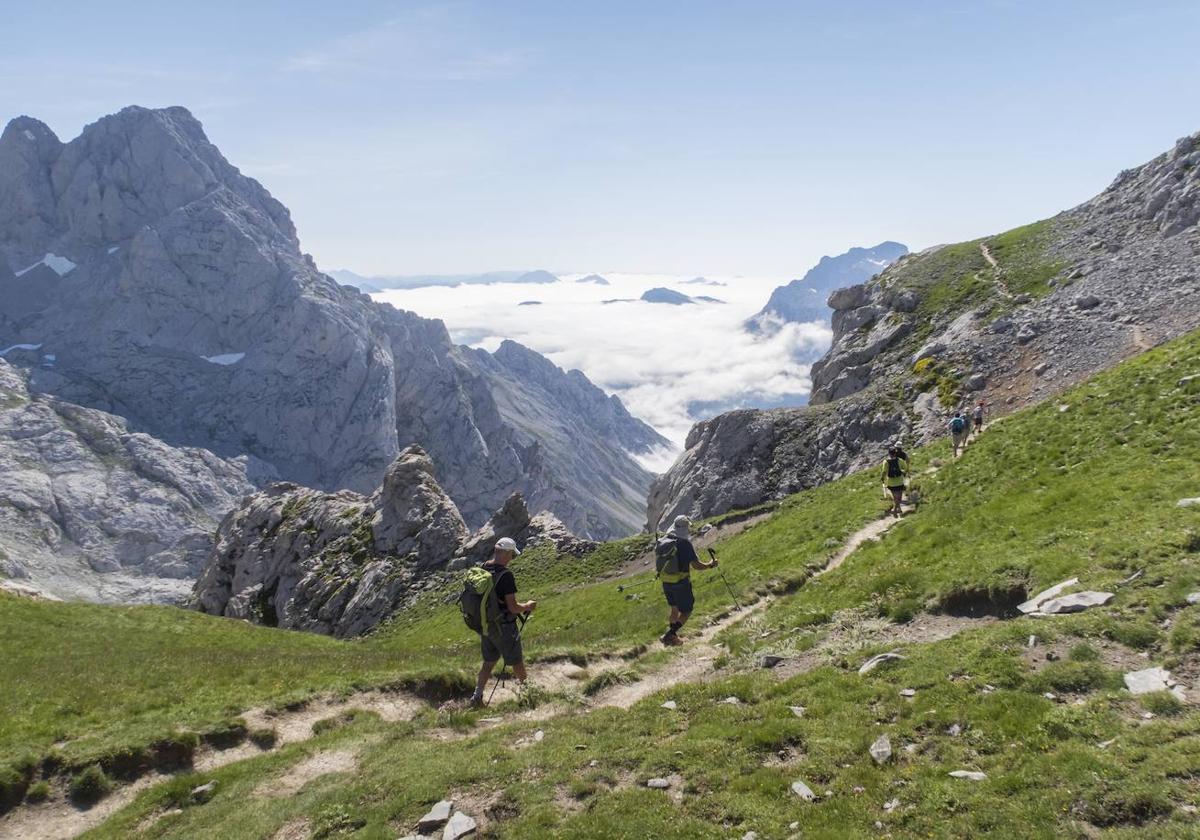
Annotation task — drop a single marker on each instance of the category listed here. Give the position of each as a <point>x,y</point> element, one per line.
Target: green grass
<point>1021,255</point>
<point>1042,496</point>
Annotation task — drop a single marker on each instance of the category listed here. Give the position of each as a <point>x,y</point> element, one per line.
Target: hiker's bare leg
<point>485,674</point>
<point>519,671</point>
<point>681,617</point>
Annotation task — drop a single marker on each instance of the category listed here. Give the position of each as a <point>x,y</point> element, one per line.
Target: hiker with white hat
<point>674,558</point>
<point>502,638</point>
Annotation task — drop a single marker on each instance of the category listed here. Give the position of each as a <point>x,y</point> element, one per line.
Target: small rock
<point>1185,503</point>
<point>973,775</point>
<point>891,805</point>
<point>1148,715</point>
<point>670,704</point>
<point>1050,695</point>
<point>875,661</point>
<point>1106,744</point>
<point>768,660</point>
<point>658,784</point>
<point>881,750</point>
<point>1194,598</point>
<point>1150,680</point>
<point>460,825</point>
<point>1073,603</point>
<point>798,711</point>
<point>803,791</point>
<point>205,792</point>
<point>1051,656</point>
<point>1034,603</point>
<point>1063,409</point>
<point>1042,368</point>
<point>1032,640</point>
<point>437,817</point>
<point>1187,380</point>
<point>955,730</point>
<point>539,735</point>
<point>750,835</point>
<point>732,701</point>
<point>1086,302</point>
<point>908,692</point>
<point>794,825</point>
<point>988,689</point>
<point>857,789</point>
<point>1027,333</point>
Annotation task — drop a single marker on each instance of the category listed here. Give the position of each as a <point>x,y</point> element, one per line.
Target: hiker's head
<point>680,528</point>
<point>893,451</point>
<point>504,551</point>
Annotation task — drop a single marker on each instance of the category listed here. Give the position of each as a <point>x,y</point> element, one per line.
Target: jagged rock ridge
<point>171,291</point>
<point>1010,319</point>
<point>341,563</point>
<point>804,300</point>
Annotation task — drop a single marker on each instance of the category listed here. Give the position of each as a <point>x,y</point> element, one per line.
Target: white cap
<point>507,544</point>
<point>681,525</point>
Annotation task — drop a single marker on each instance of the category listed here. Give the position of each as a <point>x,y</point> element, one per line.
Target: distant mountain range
<point>804,300</point>
<point>371,285</point>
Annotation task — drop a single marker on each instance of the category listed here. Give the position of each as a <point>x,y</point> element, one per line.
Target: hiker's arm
<point>510,600</point>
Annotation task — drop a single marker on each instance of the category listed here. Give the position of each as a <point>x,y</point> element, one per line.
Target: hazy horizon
<point>460,137</point>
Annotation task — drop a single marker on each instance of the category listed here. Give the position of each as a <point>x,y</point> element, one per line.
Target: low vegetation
<point>1083,486</point>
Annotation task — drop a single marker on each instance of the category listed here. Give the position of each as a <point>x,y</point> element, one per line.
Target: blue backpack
<point>957,425</point>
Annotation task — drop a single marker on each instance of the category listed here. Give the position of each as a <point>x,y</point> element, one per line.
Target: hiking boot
<point>671,640</point>
<point>476,701</point>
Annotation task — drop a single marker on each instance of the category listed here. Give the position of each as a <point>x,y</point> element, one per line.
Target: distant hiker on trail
<point>490,593</point>
<point>960,430</point>
<point>895,471</point>
<point>977,415</point>
<point>674,558</point>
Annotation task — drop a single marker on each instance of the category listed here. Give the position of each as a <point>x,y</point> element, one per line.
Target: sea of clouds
<point>670,365</point>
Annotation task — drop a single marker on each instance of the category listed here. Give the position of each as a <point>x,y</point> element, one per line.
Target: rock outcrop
<point>1009,319</point>
<point>90,509</point>
<point>333,563</point>
<point>171,290</point>
<point>804,300</point>
<point>341,563</point>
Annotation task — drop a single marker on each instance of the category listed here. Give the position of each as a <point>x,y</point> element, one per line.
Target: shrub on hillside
<point>89,786</point>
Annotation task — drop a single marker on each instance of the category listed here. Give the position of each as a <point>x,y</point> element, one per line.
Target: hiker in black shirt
<point>505,639</point>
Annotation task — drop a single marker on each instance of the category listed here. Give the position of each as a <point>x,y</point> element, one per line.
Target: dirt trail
<point>58,819</point>
<point>997,272</point>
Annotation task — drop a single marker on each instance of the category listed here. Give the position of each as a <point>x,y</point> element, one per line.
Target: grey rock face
<point>90,509</point>
<point>1126,261</point>
<point>333,563</point>
<point>341,563</point>
<point>171,290</point>
<point>805,299</point>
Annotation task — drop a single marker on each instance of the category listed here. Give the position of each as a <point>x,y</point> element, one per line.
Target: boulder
<point>850,297</point>
<point>1073,603</point>
<point>970,775</point>
<point>460,825</point>
<point>437,817</point>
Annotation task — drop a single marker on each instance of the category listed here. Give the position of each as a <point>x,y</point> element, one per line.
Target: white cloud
<point>671,365</point>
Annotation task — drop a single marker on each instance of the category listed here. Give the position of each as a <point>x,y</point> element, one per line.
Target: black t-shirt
<point>686,553</point>
<point>504,585</point>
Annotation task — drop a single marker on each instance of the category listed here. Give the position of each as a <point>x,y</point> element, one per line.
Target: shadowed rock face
<point>172,291</point>
<point>90,509</point>
<point>942,328</point>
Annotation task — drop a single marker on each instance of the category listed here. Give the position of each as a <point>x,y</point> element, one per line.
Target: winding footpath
<point>695,660</point>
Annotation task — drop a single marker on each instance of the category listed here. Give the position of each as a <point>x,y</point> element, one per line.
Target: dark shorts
<point>897,492</point>
<point>978,422</point>
<point>679,595</point>
<point>505,642</point>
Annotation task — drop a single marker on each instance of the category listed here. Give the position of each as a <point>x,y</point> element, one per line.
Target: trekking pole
<point>713,554</point>
<point>623,587</point>
<point>523,618</point>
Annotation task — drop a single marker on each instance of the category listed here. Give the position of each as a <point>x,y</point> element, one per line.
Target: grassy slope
<point>1089,491</point>
<point>1045,495</point>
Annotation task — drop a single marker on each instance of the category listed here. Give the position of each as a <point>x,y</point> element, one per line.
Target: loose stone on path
<point>437,817</point>
<point>881,750</point>
<point>803,791</point>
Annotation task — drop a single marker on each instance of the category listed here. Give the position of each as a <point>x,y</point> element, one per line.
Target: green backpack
<point>478,601</point>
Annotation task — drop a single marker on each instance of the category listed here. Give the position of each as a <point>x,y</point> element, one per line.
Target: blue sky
<point>674,137</point>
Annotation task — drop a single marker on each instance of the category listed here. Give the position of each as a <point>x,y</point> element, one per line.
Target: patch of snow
<point>61,265</point>
<point>225,358</point>
<point>114,249</point>
<point>29,134</point>
<point>8,350</point>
